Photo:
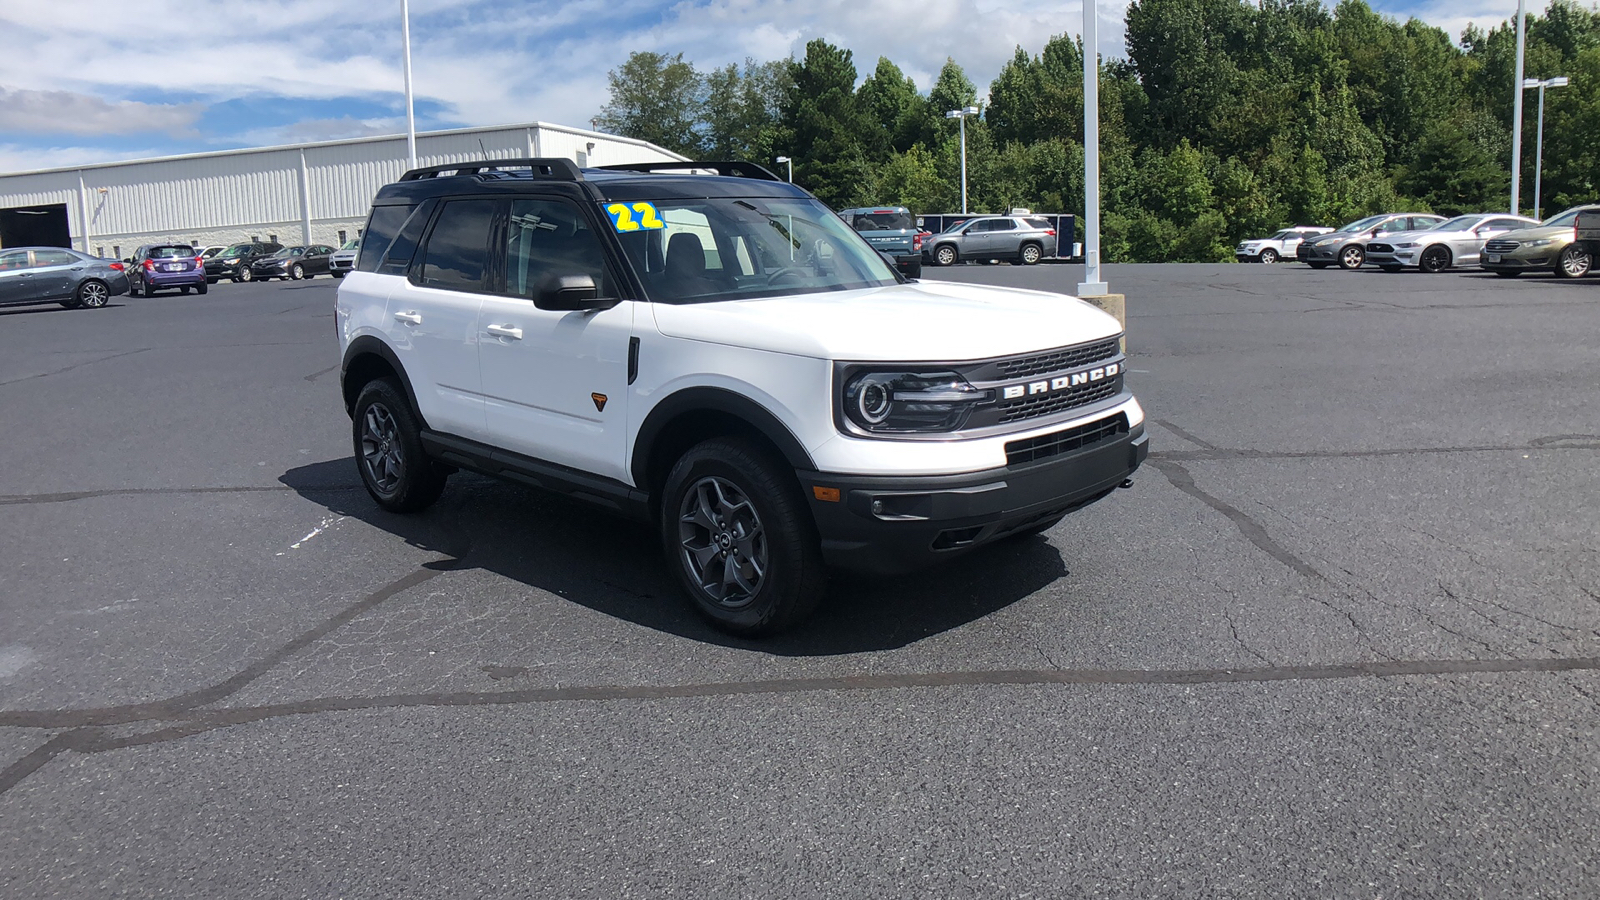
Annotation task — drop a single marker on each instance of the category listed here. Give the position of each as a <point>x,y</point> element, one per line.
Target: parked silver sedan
<point>1026,239</point>
<point>1456,242</point>
<point>58,275</point>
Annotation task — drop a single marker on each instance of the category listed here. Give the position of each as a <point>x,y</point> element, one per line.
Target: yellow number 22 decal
<point>622,217</point>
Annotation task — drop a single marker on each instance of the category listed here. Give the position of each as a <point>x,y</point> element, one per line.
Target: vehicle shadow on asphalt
<point>615,566</point>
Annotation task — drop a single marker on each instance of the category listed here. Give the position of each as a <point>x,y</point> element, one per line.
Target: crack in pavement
<point>87,362</point>
<point>1252,530</point>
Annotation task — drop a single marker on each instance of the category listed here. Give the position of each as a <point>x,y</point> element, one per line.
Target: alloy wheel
<point>1575,261</point>
<point>93,295</point>
<point>722,541</point>
<point>380,448</point>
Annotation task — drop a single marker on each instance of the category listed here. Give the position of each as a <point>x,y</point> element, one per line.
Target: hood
<point>1339,235</point>
<point>924,322</point>
<point>1534,234</point>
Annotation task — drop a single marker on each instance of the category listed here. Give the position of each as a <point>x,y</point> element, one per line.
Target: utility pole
<point>1092,286</point>
<point>1516,114</point>
<point>411,118</point>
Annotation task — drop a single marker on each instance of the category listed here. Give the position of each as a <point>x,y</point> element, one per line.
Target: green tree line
<point>1228,119</point>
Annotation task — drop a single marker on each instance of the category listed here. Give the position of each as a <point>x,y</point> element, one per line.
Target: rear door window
<point>53,258</point>
<point>457,253</point>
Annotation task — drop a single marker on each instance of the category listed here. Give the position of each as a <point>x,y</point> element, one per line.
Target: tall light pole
<point>1092,286</point>
<point>785,159</point>
<point>1516,116</point>
<point>411,118</point>
<point>962,114</point>
<point>1538,156</point>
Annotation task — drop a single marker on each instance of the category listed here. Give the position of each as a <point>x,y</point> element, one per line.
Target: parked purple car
<point>157,267</point>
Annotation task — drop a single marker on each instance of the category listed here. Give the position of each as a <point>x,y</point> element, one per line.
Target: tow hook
<point>1126,483</point>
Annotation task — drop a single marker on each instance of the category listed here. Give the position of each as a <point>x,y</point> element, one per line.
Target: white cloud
<point>66,112</point>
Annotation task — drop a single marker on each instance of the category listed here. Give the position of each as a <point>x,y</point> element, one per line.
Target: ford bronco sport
<point>718,355</point>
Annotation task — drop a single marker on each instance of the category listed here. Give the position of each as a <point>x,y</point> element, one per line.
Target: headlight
<point>1407,245</point>
<point>1539,243</point>
<point>899,402</point>
<point>1327,242</point>
<point>231,262</point>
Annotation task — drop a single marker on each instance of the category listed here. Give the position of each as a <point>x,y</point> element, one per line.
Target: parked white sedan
<point>1278,245</point>
<point>1454,242</point>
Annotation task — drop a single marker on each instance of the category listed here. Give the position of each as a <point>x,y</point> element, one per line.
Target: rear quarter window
<point>384,225</point>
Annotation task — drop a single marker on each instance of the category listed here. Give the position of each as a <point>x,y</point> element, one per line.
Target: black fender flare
<point>367,345</point>
<point>714,399</point>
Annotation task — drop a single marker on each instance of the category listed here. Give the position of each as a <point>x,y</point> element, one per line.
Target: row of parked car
<point>1501,243</point>
<point>30,275</point>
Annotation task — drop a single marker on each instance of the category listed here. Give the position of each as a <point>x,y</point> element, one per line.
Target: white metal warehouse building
<point>296,194</point>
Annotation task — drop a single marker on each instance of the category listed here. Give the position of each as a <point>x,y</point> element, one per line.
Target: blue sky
<point>182,77</point>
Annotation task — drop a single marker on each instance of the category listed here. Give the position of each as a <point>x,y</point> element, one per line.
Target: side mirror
<point>569,293</point>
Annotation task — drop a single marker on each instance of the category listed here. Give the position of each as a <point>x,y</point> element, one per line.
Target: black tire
<point>202,287</point>
<point>92,294</point>
<point>133,288</point>
<point>945,255</point>
<point>1574,262</point>
<point>1508,273</point>
<point>69,303</point>
<point>341,274</point>
<point>1268,256</point>
<point>1435,259</point>
<point>184,289</point>
<point>244,275</point>
<point>1030,254</point>
<point>388,449</point>
<point>1317,265</point>
<point>728,505</point>
<point>1351,256</point>
<point>210,280</point>
<point>297,272</point>
<point>1392,269</point>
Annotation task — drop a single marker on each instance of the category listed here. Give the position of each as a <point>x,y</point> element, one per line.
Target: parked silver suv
<point>1026,239</point>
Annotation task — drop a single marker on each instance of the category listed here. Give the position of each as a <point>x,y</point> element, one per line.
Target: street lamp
<point>411,117</point>
<point>962,114</point>
<point>1538,156</point>
<point>1516,114</point>
<point>785,159</point>
<point>1092,286</point>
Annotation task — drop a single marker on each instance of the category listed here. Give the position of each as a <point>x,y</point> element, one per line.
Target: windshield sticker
<point>640,216</point>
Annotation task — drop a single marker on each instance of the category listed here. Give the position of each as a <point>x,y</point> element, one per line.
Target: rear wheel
<point>740,539</point>
<point>1352,257</point>
<point>1031,254</point>
<point>1573,262</point>
<point>1268,256</point>
<point>93,294</point>
<point>1434,260</point>
<point>945,255</point>
<point>184,289</point>
<point>388,447</point>
<point>133,288</point>
<point>202,287</point>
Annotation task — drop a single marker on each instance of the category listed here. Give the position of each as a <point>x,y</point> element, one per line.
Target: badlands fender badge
<point>1060,383</point>
<point>599,402</point>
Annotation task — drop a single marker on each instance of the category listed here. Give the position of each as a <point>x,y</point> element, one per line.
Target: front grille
<point>1070,358</point>
<point>1046,404</point>
<point>1502,246</point>
<point>1047,445</point>
<point>1380,248</point>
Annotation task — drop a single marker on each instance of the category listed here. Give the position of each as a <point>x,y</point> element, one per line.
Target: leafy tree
<point>742,110</point>
<point>657,98</point>
<point>827,127</point>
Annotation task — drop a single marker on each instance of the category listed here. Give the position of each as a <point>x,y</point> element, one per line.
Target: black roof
<point>642,181</point>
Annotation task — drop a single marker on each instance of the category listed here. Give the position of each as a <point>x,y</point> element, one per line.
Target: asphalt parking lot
<point>1339,640</point>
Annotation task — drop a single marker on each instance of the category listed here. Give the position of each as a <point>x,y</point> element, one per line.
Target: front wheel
<point>740,539</point>
<point>1031,254</point>
<point>297,272</point>
<point>1352,257</point>
<point>945,256</point>
<point>246,275</point>
<point>337,274</point>
<point>1434,260</point>
<point>388,448</point>
<point>1268,256</point>
<point>93,294</point>
<point>1573,262</point>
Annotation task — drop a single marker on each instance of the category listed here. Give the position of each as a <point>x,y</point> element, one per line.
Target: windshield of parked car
<point>1567,218</point>
<point>723,248</point>
<point>287,252</point>
<point>176,251</point>
<point>1363,224</point>
<point>1280,235</point>
<point>883,220</point>
<point>352,244</point>
<point>235,250</point>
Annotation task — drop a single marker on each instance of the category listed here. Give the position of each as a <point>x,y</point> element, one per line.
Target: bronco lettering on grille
<point>1061,382</point>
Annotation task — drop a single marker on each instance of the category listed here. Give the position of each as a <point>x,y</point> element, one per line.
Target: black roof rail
<point>554,168</point>
<point>732,168</point>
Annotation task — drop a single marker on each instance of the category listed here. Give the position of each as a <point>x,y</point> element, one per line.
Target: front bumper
<point>269,272</point>
<point>1522,259</point>
<point>887,524</point>
<point>216,270</point>
<point>1319,254</point>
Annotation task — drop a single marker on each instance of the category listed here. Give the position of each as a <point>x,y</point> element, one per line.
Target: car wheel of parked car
<point>1505,274</point>
<point>93,294</point>
<point>133,288</point>
<point>1317,265</point>
<point>945,255</point>
<point>341,274</point>
<point>1434,260</point>
<point>1573,262</point>
<point>1351,257</point>
<point>212,280</point>
<point>740,538</point>
<point>202,287</point>
<point>297,272</point>
<point>1268,256</point>
<point>389,455</point>
<point>244,275</point>
<point>1031,254</point>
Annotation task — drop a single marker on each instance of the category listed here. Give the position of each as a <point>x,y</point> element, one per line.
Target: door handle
<point>506,331</point>
<point>411,317</point>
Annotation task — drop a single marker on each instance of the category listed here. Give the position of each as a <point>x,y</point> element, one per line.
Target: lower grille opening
<point>1056,443</point>
<point>956,537</point>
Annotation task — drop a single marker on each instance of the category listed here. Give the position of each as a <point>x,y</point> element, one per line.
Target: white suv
<point>1278,245</point>
<point>723,357</point>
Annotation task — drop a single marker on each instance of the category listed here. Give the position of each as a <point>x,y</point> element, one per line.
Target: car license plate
<point>172,267</point>
<point>1494,257</point>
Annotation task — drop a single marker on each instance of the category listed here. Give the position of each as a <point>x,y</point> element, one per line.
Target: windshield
<point>236,250</point>
<point>1363,224</point>
<point>733,249</point>
<point>1459,223</point>
<point>883,220</point>
<point>352,244</point>
<point>287,252</point>
<point>1567,218</point>
<point>1280,235</point>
